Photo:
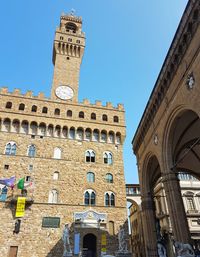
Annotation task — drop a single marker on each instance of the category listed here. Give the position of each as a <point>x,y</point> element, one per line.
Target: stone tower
<point>68,49</point>
<point>71,156</point>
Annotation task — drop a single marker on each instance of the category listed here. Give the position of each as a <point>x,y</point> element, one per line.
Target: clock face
<point>64,92</point>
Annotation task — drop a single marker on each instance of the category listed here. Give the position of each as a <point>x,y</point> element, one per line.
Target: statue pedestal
<point>123,254</point>
<point>67,254</point>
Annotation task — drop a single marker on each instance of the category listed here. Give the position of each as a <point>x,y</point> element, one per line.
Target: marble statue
<point>122,240</point>
<point>184,250</point>
<point>161,250</point>
<point>66,242</point>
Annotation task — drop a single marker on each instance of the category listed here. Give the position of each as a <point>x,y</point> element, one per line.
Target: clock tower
<point>68,48</point>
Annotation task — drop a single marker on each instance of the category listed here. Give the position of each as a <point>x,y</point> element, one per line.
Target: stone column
<point>176,208</point>
<point>149,228</point>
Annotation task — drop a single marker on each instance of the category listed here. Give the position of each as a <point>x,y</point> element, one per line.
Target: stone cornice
<point>183,36</point>
<point>69,17</point>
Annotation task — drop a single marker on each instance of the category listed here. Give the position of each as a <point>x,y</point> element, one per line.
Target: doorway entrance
<point>89,245</point>
<point>13,251</point>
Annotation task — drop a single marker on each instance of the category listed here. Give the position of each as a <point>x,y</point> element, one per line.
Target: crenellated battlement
<point>17,92</point>
<point>70,17</point>
<point>41,96</point>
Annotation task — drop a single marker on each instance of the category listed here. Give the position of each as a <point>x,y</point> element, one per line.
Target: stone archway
<point>136,228</point>
<point>89,245</point>
<point>151,173</point>
<point>184,142</point>
<point>170,125</point>
<point>181,151</point>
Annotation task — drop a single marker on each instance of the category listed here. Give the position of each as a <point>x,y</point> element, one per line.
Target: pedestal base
<point>67,254</point>
<point>123,254</point>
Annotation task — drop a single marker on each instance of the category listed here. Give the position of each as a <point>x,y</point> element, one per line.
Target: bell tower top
<point>68,49</point>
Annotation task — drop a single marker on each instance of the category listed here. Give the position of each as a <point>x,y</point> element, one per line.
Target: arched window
<point>109,178</point>
<point>96,135</point>
<point>79,134</point>
<point>56,175</point>
<point>90,177</point>
<point>69,113</point>
<point>112,199</point>
<point>34,108</point>
<point>50,130</point>
<point>109,199</point>
<point>8,105</point>
<point>11,148</point>
<point>118,138</point>
<point>24,127</point>
<point>33,128</point>
<point>93,116</point>
<point>107,158</point>
<point>57,131</point>
<point>53,196</point>
<point>64,132</point>
<point>57,111</point>
<point>42,129</point>
<point>116,119</point>
<point>190,201</point>
<point>16,126</point>
<point>57,153</point>
<point>71,26</point>
<point>111,137</point>
<point>103,136</point>
<point>88,134</point>
<point>93,198</point>
<point>111,228</point>
<point>104,117</point>
<point>21,107</point>
<point>89,197</point>
<point>44,110</point>
<point>31,150</point>
<point>81,115</point>
<point>6,125</point>
<point>110,159</point>
<point>72,133</point>
<point>90,156</point>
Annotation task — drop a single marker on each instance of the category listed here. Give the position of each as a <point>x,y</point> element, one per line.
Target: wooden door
<point>13,251</point>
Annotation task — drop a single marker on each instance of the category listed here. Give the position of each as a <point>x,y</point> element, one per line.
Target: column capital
<point>169,176</point>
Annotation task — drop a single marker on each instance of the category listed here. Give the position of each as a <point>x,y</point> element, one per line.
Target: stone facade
<point>70,139</point>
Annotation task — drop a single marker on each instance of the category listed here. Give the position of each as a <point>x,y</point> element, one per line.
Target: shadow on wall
<point>57,250</point>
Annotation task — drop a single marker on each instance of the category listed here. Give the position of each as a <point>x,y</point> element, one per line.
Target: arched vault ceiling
<point>186,142</point>
<point>189,158</point>
<point>153,171</point>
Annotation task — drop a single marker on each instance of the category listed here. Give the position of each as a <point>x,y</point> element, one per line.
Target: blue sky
<point>126,43</point>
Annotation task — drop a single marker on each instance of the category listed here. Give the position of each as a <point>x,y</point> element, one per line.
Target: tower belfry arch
<point>68,49</point>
